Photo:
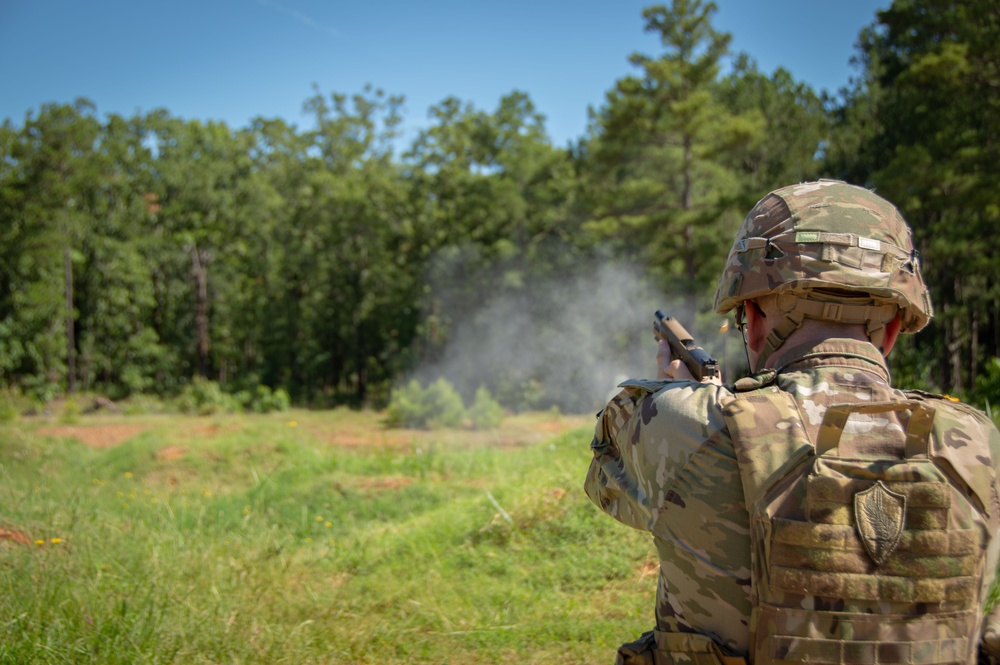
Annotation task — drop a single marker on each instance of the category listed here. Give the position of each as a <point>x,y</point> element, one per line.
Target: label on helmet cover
<point>807,236</point>
<point>870,243</point>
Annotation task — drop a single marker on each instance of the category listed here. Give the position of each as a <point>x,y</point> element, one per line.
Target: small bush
<point>407,406</point>
<point>71,412</point>
<point>265,400</point>
<point>8,410</point>
<point>437,405</point>
<point>204,398</point>
<point>42,390</point>
<point>485,412</point>
<point>136,405</point>
<point>445,405</point>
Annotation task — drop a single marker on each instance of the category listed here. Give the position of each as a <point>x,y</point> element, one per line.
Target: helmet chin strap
<point>825,307</point>
<point>741,325</point>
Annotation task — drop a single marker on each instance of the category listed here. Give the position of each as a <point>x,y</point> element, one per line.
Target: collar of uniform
<point>850,352</point>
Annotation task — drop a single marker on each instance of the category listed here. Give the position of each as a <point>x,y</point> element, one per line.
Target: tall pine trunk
<point>70,333</point>
<point>199,270</point>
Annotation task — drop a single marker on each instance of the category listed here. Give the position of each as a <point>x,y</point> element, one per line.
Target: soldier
<point>810,512</point>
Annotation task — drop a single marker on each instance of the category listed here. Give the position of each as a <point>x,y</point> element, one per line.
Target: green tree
<point>285,256</point>
<point>48,167</point>
<point>210,205</point>
<point>658,159</point>
<point>499,214</point>
<point>794,123</point>
<point>120,351</point>
<point>357,301</point>
<point>932,145</point>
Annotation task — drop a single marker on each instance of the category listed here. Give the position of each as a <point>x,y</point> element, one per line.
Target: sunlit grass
<point>312,538</point>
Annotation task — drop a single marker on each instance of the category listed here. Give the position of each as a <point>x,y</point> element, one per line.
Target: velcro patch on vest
<point>957,542</point>
<point>903,564</point>
<point>876,587</point>
<point>832,501</point>
<point>880,516</point>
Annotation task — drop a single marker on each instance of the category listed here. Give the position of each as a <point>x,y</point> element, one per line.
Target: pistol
<point>682,346</point>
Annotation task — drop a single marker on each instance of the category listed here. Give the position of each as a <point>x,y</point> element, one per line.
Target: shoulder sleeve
<point>608,483</point>
<point>646,433</point>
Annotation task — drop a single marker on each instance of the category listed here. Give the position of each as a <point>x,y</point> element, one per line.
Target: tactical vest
<point>865,550</point>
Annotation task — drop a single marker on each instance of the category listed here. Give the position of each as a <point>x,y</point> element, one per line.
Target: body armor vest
<point>867,548</point>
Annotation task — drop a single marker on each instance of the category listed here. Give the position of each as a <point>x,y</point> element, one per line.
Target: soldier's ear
<point>891,333</point>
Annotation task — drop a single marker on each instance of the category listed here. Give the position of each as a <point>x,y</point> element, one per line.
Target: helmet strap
<point>797,309</point>
<point>792,322</point>
<point>741,325</point>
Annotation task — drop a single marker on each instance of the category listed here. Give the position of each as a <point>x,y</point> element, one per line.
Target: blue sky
<point>233,60</point>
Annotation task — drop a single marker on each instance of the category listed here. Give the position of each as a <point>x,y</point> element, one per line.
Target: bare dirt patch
<point>210,431</point>
<point>515,431</point>
<point>380,482</point>
<point>95,436</point>
<point>350,438</point>
<point>13,537</point>
<point>170,453</point>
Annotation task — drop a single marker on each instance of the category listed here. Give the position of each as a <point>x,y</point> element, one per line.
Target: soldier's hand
<point>669,368</point>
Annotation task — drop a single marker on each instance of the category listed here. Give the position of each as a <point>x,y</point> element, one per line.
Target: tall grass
<point>253,539</point>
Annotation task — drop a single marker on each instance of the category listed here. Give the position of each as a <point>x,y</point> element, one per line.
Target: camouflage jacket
<point>664,462</point>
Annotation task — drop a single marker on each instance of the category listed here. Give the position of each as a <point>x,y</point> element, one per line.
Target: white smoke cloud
<point>564,341</point>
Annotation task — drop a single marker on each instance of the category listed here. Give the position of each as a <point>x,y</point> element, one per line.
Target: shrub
<point>485,412</point>
<point>71,412</point>
<point>8,410</point>
<point>138,404</point>
<point>265,400</point>
<point>445,407</point>
<point>204,398</point>
<point>437,405</point>
<point>407,406</point>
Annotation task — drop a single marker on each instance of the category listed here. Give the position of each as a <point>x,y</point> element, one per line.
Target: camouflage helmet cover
<point>826,235</point>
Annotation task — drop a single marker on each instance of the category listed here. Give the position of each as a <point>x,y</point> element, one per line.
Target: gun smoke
<point>562,342</point>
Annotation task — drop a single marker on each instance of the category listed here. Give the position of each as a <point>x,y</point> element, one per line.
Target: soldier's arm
<point>609,484</point>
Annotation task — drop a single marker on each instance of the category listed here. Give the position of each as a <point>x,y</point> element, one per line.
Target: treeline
<point>138,253</point>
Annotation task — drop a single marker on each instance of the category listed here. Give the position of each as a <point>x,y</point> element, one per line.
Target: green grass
<point>311,537</point>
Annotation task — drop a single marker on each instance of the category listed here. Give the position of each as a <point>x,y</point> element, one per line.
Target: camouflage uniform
<point>664,462</point>
<point>665,459</point>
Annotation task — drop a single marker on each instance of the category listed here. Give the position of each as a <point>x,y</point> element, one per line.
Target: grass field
<point>310,537</point>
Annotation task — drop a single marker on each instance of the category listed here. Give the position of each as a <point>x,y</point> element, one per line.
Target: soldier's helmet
<point>827,242</point>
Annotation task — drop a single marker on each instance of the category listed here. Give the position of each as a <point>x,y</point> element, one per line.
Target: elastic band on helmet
<point>797,309</point>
